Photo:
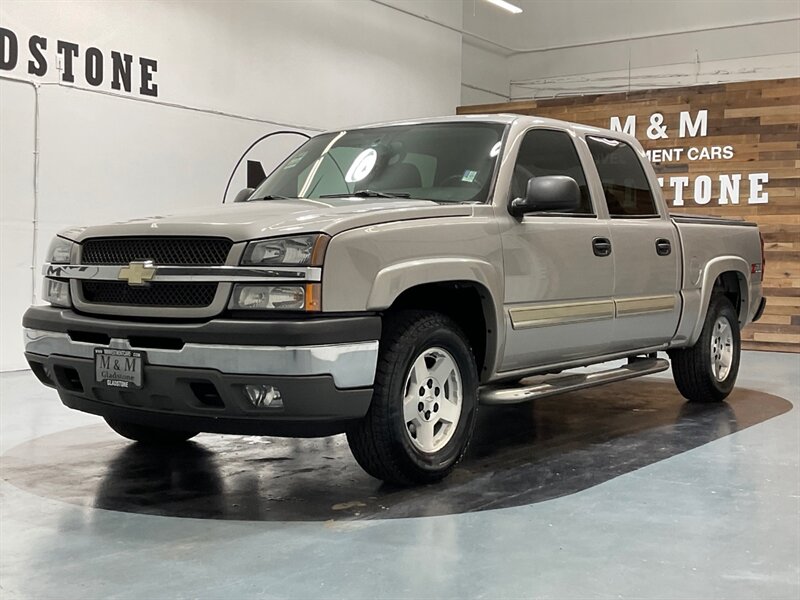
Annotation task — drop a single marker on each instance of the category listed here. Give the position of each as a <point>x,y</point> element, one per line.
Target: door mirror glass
<point>244,194</point>
<point>549,193</point>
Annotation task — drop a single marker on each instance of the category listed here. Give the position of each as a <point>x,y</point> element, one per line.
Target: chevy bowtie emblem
<point>138,272</point>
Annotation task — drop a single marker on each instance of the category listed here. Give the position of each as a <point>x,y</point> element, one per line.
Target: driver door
<point>558,280</point>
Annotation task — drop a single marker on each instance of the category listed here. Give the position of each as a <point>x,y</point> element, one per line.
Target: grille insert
<point>157,294</point>
<point>201,251</point>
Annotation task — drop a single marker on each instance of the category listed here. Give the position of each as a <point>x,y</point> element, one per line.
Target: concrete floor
<point>618,492</point>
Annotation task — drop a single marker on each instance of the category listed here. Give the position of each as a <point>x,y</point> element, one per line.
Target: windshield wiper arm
<point>368,194</point>
<point>268,197</point>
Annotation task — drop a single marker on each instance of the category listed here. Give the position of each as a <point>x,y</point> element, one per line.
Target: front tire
<point>424,402</point>
<point>149,435</point>
<point>707,371</point>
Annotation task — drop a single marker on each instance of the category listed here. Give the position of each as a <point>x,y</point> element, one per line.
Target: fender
<point>713,269</point>
<point>393,280</point>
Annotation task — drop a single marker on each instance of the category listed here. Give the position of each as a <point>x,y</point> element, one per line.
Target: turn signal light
<point>56,292</point>
<point>277,297</point>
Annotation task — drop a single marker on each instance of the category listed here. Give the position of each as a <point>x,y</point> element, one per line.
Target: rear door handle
<point>663,247</point>
<point>601,246</point>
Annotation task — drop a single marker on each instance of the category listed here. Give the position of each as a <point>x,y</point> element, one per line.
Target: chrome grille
<point>187,295</point>
<point>200,251</point>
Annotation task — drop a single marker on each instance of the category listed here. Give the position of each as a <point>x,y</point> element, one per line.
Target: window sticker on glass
<point>361,166</point>
<point>294,160</point>
<point>469,176</point>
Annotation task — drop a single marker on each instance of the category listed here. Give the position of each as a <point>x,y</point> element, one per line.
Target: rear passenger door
<point>645,247</point>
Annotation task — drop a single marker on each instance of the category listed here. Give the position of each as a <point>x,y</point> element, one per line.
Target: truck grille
<point>200,251</point>
<point>157,294</point>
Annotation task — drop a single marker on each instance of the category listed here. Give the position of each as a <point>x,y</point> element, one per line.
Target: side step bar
<point>549,385</point>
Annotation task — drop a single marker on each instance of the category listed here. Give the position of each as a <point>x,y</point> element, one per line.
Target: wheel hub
<point>428,405</point>
<point>432,402</point>
<point>721,348</point>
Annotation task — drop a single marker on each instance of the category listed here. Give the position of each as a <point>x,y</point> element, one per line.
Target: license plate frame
<point>119,369</point>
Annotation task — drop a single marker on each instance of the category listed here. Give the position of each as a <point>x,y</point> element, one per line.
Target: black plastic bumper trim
<point>312,405</point>
<point>276,332</point>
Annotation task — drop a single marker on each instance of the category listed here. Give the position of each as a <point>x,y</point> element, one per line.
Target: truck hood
<point>268,218</point>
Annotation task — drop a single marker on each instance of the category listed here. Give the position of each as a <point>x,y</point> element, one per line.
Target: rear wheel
<point>707,371</point>
<point>149,435</point>
<point>423,407</point>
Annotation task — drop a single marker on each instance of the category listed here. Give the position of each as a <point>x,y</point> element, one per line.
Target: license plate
<point>119,368</point>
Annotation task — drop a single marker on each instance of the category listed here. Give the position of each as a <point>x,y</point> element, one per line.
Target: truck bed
<point>711,220</point>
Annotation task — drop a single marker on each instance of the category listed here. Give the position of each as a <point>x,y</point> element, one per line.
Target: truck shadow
<point>520,455</point>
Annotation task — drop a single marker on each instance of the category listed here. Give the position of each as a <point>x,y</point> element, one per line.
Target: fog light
<point>263,396</point>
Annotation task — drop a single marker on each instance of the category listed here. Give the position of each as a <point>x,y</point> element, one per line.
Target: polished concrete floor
<point>616,492</point>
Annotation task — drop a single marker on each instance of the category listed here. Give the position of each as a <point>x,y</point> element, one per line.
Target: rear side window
<point>625,184</point>
<point>549,152</point>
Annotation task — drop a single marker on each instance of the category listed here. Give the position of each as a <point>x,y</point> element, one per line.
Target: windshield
<point>444,162</point>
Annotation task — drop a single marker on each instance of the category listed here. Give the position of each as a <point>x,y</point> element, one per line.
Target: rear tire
<point>424,402</point>
<point>149,435</point>
<point>707,371</point>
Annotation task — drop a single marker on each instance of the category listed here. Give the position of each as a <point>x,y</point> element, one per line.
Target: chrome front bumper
<point>351,365</point>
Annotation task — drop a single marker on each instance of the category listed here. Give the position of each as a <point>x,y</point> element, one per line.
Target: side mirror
<point>244,194</point>
<point>549,193</point>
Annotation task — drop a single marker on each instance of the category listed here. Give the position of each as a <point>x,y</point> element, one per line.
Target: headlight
<point>276,297</point>
<point>56,292</point>
<point>59,251</point>
<point>301,250</point>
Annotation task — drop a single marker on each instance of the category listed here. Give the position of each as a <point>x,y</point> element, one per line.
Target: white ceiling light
<point>512,8</point>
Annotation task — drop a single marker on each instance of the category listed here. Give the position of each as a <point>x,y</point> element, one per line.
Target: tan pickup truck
<point>384,281</point>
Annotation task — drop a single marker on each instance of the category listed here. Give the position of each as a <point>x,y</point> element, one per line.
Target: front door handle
<point>601,246</point>
<point>663,247</point>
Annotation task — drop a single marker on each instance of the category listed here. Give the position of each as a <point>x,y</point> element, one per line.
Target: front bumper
<point>194,373</point>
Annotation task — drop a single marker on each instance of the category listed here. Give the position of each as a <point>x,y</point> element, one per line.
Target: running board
<point>550,385</point>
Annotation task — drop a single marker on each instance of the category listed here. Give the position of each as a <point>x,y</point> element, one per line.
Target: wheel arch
<point>463,289</point>
<point>728,275</point>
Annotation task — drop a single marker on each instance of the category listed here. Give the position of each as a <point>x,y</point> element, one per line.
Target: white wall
<point>16,216</point>
<point>488,69</point>
<point>582,46</point>
<point>227,74</point>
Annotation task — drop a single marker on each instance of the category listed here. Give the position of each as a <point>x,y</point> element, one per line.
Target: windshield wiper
<point>368,194</point>
<point>268,197</point>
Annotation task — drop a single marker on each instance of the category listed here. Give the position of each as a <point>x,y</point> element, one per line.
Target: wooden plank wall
<point>759,123</point>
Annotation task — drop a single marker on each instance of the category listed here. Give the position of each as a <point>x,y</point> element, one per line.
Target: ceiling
<point>550,23</point>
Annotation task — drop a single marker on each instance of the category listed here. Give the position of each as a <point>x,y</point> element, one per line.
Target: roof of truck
<point>504,118</point>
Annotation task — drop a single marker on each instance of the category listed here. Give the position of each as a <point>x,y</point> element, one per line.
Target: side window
<point>625,184</point>
<point>549,152</point>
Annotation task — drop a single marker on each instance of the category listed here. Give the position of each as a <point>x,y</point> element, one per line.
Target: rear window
<point>625,184</point>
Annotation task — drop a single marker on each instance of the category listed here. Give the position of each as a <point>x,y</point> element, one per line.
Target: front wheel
<point>149,435</point>
<point>707,371</point>
<point>424,403</point>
